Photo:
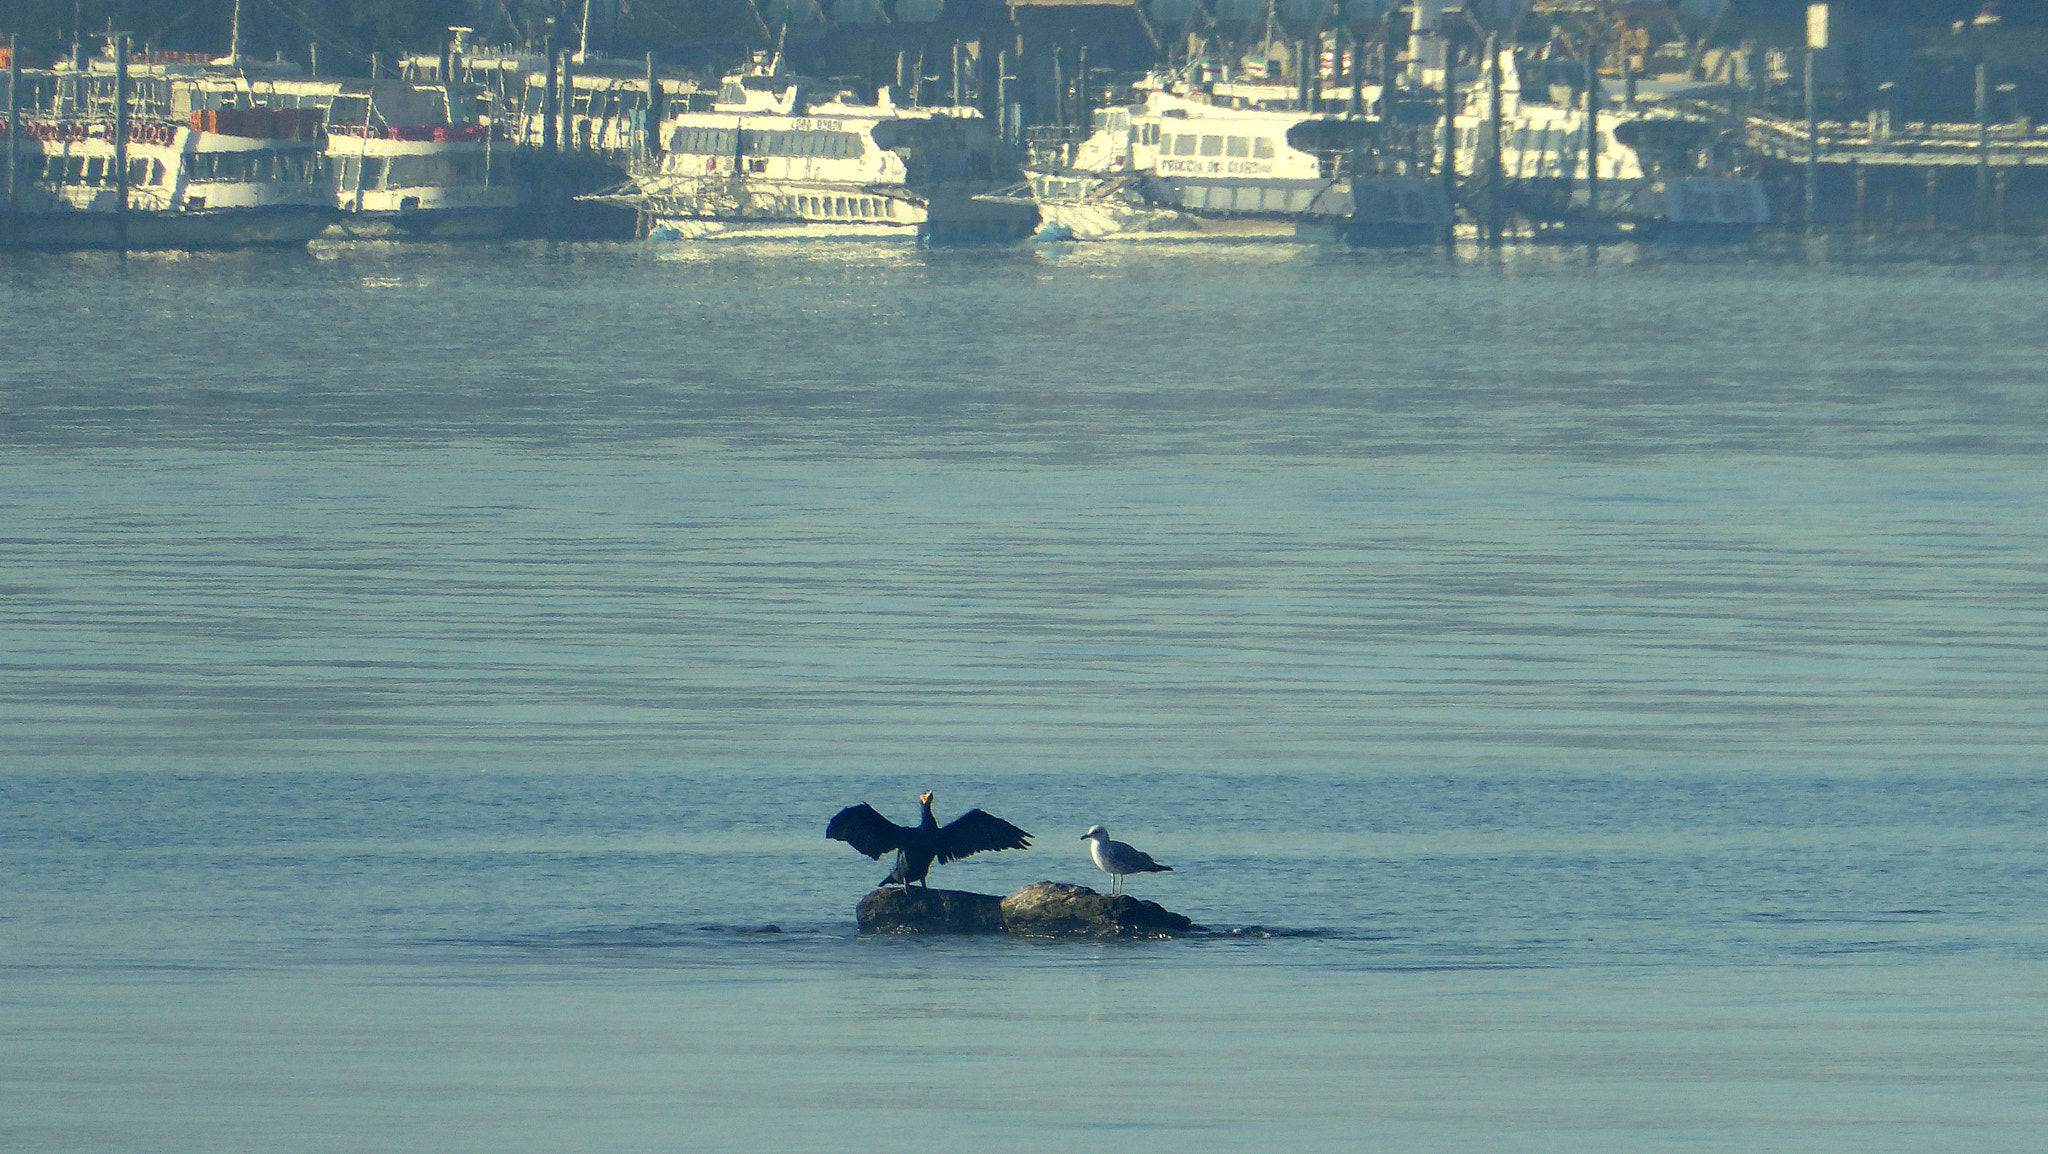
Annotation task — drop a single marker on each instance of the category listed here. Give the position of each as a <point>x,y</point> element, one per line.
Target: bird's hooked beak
<point>925,798</point>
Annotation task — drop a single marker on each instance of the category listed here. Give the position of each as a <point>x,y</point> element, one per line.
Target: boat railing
<point>436,133</point>
<point>1053,144</point>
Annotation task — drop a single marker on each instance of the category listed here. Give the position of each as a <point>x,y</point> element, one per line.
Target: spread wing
<point>975,831</point>
<point>865,830</point>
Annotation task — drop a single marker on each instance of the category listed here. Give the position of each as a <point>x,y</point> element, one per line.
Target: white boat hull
<point>205,228</point>
<point>718,209</point>
<point>424,224</point>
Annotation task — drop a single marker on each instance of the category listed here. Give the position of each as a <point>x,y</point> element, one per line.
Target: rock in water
<point>1059,910</point>
<point>917,910</point>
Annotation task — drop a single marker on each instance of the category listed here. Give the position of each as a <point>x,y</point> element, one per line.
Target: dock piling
<point>1982,215</point>
<point>13,135</point>
<point>1494,175</point>
<point>1812,150</point>
<point>121,142</point>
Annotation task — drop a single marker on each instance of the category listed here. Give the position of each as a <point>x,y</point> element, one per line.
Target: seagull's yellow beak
<point>925,797</point>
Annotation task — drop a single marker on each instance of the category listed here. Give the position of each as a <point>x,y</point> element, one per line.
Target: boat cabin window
<point>1212,146</point>
<point>765,142</point>
<point>1262,148</point>
<point>1148,134</point>
<point>1184,145</point>
<point>761,142</point>
<point>434,171</point>
<point>1237,146</point>
<point>262,166</point>
<point>702,141</point>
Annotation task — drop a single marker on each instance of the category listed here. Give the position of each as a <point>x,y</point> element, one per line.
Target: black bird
<point>917,847</point>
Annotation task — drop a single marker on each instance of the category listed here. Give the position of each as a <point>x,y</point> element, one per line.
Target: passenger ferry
<point>1179,166</point>
<point>1654,172</point>
<point>224,179</point>
<point>1186,165</point>
<point>404,162</point>
<point>773,154</point>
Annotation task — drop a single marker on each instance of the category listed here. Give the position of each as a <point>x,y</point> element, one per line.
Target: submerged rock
<point>1060,910</point>
<point>1039,910</point>
<point>917,910</point>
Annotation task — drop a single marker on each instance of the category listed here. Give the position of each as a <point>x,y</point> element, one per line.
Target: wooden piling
<point>650,136</point>
<point>1450,140</point>
<point>1356,74</point>
<point>1812,149</point>
<point>1059,90</point>
<point>1982,215</point>
<point>1081,88</point>
<point>1592,135</point>
<point>548,143</point>
<point>1494,176</point>
<point>1386,73</point>
<point>121,142</point>
<point>13,138</point>
<point>568,101</point>
<point>1301,67</point>
<point>1003,94</point>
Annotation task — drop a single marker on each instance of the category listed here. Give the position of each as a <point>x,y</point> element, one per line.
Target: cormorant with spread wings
<point>917,847</point>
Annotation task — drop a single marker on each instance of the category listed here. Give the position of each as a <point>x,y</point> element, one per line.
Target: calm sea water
<point>1594,705</point>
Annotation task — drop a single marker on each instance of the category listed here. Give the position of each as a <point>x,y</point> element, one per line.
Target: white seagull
<point>1117,858</point>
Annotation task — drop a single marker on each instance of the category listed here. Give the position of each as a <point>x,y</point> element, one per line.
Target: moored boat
<point>218,181</point>
<point>403,160</point>
<point>778,155</point>
<point>1652,166</point>
<point>1179,166</point>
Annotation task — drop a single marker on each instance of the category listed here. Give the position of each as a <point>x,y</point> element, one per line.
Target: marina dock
<point>1564,119</point>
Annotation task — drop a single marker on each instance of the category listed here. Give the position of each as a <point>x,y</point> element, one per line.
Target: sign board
<point>1816,25</point>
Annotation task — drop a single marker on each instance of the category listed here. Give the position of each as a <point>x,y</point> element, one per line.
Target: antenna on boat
<point>234,57</point>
